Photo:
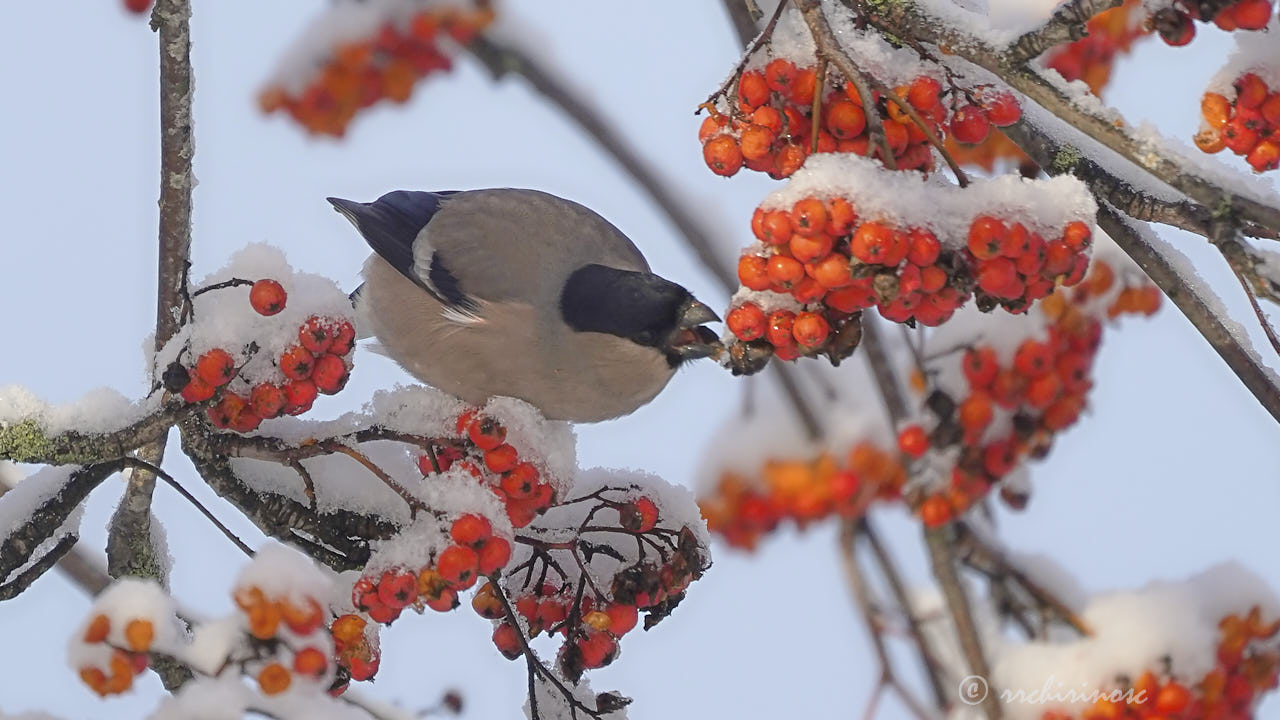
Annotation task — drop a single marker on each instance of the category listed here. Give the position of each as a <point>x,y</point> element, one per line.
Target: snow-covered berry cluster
<point>828,255</point>
<point>363,63</point>
<point>113,645</point>
<point>1247,122</point>
<point>1175,23</point>
<point>480,448</point>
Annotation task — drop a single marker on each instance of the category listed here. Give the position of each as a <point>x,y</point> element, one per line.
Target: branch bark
<point>1068,24</point>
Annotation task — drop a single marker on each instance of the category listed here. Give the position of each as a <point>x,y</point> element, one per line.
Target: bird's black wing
<point>391,224</point>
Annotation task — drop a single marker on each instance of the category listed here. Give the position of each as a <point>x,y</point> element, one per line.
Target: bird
<point>520,293</point>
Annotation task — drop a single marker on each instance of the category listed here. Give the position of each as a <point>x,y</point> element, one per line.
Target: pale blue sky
<point>1175,468</point>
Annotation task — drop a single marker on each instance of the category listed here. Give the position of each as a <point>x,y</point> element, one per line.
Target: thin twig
<point>226,531</point>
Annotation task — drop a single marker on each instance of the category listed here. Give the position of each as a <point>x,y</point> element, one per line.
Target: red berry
<point>639,516</point>
<point>137,6</point>
<point>779,74</point>
<point>996,277</point>
<point>330,374</point>
<point>923,93</point>
<point>507,639</point>
<point>810,329</point>
<point>216,367</point>
<point>197,390</point>
<point>969,125</point>
<point>924,248</point>
<point>913,441</point>
<point>486,432</point>
<point>622,618</point>
<point>753,272</point>
<point>493,555</point>
<point>470,530</point>
<point>397,588</point>
<point>1252,14</point>
<point>267,400</point>
<point>458,566</point>
<point>987,237</point>
<point>809,216</point>
<point>722,155</point>
<point>267,296</point>
<point>935,511</point>
<point>297,363</point>
<point>316,334</point>
<point>299,395</point>
<point>1002,108</point>
<point>501,459</point>
<point>747,321</point>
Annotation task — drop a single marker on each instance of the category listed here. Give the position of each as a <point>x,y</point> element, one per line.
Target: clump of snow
<point>126,600</point>
<point>1134,631</point>
<point>910,200</point>
<point>19,503</point>
<point>224,318</point>
<point>212,643</point>
<point>281,572</point>
<point>100,411</point>
<point>1256,52</point>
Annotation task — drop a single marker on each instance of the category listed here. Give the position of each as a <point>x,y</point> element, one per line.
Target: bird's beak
<point>691,341</point>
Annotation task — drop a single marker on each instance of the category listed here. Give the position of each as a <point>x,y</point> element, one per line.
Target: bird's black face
<point>640,307</point>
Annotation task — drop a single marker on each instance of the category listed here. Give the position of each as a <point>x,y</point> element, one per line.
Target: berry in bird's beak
<point>691,341</point>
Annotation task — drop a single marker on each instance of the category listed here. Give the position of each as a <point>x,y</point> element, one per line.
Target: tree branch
<point>1068,24</point>
<point>27,442</point>
<point>1058,159</point>
<point>943,560</point>
<point>906,19</point>
<point>744,25</point>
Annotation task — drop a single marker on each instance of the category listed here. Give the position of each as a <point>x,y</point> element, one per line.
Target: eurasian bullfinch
<point>519,293</point>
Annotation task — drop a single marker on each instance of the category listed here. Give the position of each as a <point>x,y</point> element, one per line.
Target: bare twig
<point>944,570</point>
<point>23,580</point>
<point>829,48</point>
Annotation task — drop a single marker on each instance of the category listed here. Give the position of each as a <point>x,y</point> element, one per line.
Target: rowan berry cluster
<point>1008,408</point>
<point>475,551</point>
<point>771,125</point>
<point>1176,23</point>
<point>480,448</point>
<point>386,66</point>
<point>742,511</point>
<point>319,363</point>
<point>356,649</point>
<point>1248,124</point>
<point>1015,403</point>
<point>642,562</point>
<point>1247,666</point>
<point>127,641</point>
<point>289,635</point>
<point>834,263</point>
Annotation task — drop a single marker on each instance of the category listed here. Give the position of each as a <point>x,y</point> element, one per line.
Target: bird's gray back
<point>538,239</point>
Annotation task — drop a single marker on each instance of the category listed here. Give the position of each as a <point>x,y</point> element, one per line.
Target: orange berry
<point>913,441</point>
<point>808,248</point>
<point>923,93</point>
<point>348,629</point>
<point>274,679</point>
<point>138,635</point>
<point>302,619</point>
<point>753,273</point>
<point>1216,110</point>
<point>470,529</point>
<point>831,271</point>
<point>810,329</point>
<point>987,236</point>
<point>775,227</point>
<point>809,216</point>
<point>493,555</point>
<point>975,412</point>
<point>639,516</point>
<point>722,155</point>
<point>215,367</point>
<point>935,511</point>
<point>779,74</point>
<point>845,120</point>
<point>330,374</point>
<point>756,142</point>
<point>310,661</point>
<point>784,271</point>
<point>789,159</point>
<point>458,566</point>
<point>768,117</point>
<point>747,321</point>
<point>267,297</point>
<point>969,125</point>
<point>1251,91</point>
<point>872,243</point>
<point>487,433</point>
<point>840,217</point>
<point>1264,156</point>
<point>99,628</point>
<point>264,619</point>
<point>1209,141</point>
<point>501,459</point>
<point>804,86</point>
<point>753,90</point>
<point>297,363</point>
<point>1172,699</point>
<point>299,395</point>
<point>779,332</point>
<point>710,126</point>
<point>316,335</point>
